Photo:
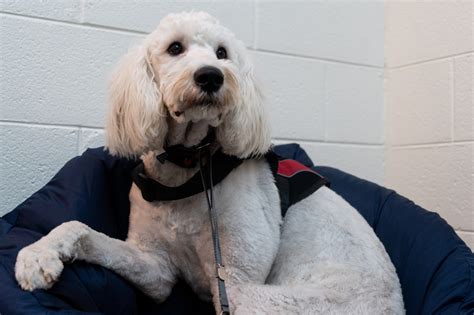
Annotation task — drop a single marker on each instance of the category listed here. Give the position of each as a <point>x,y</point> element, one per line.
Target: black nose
<point>209,79</point>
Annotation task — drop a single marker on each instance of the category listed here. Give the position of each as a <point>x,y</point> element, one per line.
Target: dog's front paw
<point>37,267</point>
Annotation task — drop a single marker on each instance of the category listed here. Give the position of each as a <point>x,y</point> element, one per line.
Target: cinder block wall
<point>429,105</point>
<point>321,65</point>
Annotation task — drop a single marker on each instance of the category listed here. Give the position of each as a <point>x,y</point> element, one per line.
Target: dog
<point>188,77</point>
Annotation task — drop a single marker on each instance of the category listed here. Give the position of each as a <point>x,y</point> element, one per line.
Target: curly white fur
<point>322,259</point>
<point>149,83</point>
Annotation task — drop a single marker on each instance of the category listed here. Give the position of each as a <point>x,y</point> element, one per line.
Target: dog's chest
<point>166,224</point>
<point>249,217</point>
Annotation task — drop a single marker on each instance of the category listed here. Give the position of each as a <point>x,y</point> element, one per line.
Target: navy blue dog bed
<point>436,268</point>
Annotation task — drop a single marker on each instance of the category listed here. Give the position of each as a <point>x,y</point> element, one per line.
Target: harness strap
<point>152,190</point>
<point>294,180</point>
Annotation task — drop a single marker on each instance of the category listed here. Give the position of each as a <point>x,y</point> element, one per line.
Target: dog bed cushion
<point>435,267</point>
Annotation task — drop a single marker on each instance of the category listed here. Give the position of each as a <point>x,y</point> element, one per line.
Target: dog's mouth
<point>191,119</point>
<point>206,101</point>
<point>204,108</point>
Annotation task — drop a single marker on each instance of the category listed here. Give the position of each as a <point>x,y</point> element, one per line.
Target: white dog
<point>188,77</point>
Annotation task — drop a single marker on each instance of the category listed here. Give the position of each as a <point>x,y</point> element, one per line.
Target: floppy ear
<point>245,131</point>
<point>136,120</point>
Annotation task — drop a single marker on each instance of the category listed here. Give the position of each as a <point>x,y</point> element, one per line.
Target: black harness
<point>294,181</point>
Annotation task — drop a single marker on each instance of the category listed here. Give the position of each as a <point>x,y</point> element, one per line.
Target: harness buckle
<point>162,157</point>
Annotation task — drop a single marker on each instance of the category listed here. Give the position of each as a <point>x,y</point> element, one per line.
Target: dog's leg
<point>329,262</point>
<point>40,264</point>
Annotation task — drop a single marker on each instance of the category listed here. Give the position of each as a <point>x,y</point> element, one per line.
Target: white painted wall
<point>336,81</point>
<point>429,49</point>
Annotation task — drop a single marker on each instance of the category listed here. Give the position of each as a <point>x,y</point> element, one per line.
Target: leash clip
<point>221,272</point>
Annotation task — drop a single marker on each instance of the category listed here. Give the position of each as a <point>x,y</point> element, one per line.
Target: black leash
<point>207,186</point>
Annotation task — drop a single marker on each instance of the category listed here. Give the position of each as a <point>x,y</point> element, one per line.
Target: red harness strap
<point>294,180</point>
<point>289,168</point>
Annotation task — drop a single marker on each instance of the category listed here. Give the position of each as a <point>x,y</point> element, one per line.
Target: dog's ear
<point>245,131</point>
<point>136,121</point>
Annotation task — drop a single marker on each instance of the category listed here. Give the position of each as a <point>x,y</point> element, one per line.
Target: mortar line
<point>43,124</point>
<point>255,23</point>
<point>453,91</point>
<point>79,25</point>
<point>79,141</point>
<point>432,144</point>
<point>309,141</point>
<point>431,60</point>
<point>82,11</point>
<point>325,101</point>
<point>321,59</point>
<point>464,231</point>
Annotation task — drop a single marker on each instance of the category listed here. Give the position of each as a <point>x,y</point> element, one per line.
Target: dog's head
<point>190,70</point>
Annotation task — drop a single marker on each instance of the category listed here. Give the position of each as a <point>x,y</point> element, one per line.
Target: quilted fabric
<point>435,267</point>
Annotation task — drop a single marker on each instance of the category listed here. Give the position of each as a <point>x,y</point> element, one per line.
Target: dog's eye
<point>221,53</point>
<point>175,49</point>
